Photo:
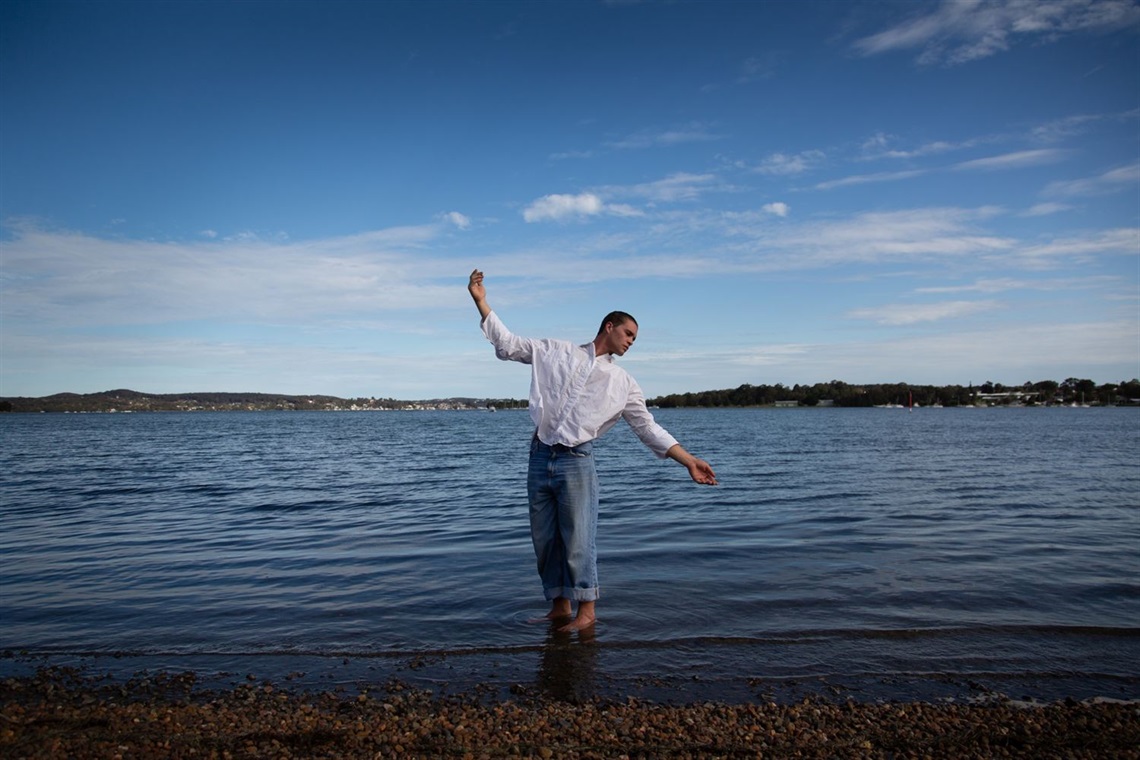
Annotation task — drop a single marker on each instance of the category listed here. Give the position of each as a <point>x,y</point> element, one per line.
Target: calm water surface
<point>845,545</point>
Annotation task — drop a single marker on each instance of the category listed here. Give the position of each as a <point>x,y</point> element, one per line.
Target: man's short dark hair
<point>618,318</point>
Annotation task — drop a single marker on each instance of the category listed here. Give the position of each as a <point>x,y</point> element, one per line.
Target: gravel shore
<point>58,714</point>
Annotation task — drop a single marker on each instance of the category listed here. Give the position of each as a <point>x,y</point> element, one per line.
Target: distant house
<point>786,404</point>
<point>1007,397</point>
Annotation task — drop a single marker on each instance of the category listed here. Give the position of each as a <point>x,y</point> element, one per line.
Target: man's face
<point>620,337</point>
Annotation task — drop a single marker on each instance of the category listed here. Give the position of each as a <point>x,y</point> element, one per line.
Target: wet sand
<point>62,713</point>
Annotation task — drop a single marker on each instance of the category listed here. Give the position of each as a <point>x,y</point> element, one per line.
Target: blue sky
<point>288,197</point>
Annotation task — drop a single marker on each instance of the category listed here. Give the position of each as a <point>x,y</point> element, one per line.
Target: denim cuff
<point>576,594</point>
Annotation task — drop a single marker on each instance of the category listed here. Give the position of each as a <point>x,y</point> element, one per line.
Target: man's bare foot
<point>559,610</point>
<point>584,620</point>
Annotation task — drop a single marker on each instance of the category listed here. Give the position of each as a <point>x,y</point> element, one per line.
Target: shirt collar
<point>589,349</point>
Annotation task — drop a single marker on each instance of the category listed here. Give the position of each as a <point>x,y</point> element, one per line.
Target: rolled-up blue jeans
<point>562,486</point>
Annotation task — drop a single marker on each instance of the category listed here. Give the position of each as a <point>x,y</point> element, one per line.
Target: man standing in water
<point>577,393</point>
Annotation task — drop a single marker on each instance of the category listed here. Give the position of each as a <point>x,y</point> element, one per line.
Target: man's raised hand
<point>475,286</point>
<point>478,292</point>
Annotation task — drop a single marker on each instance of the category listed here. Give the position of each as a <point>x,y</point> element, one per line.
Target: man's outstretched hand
<point>699,469</point>
<point>701,472</point>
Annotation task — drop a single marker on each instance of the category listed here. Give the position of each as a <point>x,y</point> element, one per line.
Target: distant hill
<point>125,400</point>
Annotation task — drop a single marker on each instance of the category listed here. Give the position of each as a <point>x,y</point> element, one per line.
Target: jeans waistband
<point>561,448</point>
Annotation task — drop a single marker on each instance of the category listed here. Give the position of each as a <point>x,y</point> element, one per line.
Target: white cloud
<point>562,207</point>
<point>623,209</point>
<point>959,31</point>
<point>1045,209</point>
<point>557,207</point>
<point>1016,160</point>
<point>909,314</point>
<point>778,209</point>
<point>458,219</point>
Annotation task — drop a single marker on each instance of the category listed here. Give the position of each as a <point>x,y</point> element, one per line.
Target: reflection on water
<point>568,665</point>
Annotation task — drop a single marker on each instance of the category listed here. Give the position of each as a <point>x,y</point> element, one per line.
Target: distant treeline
<point>834,393</point>
<point>839,393</point>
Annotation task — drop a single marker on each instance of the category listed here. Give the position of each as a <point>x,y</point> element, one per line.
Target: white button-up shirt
<point>576,396</point>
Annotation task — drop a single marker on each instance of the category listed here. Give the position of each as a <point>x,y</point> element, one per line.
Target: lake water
<point>865,552</point>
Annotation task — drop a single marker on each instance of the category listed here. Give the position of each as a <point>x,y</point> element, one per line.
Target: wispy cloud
<point>1016,160</point>
<point>999,352</point>
<point>692,132</point>
<point>1112,181</point>
<point>681,186</point>
<point>877,237</point>
<point>54,279</point>
<point>71,279</point>
<point>881,146</point>
<point>759,68</point>
<point>1006,284</point>
<point>909,314</point>
<point>960,31</point>
<point>1006,161</point>
<point>863,179</point>
<point>1063,129</point>
<point>571,154</point>
<point>1123,241</point>
<point>782,164</point>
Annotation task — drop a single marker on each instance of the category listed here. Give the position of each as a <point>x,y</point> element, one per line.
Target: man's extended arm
<point>657,438</point>
<point>479,293</point>
<point>508,346</point>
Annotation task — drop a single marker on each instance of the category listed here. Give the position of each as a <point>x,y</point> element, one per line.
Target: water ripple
<point>1000,539</point>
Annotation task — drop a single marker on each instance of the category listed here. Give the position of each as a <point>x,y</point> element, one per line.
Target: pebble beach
<point>58,713</point>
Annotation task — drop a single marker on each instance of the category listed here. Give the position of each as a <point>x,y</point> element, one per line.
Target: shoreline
<point>66,712</point>
<point>575,672</point>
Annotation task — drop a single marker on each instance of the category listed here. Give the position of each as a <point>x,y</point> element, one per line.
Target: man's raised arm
<point>478,293</point>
